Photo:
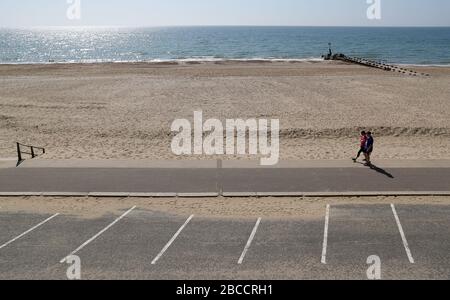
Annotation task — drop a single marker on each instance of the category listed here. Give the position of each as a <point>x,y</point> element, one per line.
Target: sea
<point>399,45</point>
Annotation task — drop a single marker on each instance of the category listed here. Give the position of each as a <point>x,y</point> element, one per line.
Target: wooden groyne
<point>374,64</point>
<point>370,63</point>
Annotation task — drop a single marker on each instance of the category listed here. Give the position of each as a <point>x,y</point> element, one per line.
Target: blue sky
<point>24,13</point>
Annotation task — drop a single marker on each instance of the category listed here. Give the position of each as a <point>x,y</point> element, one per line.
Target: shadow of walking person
<point>381,171</point>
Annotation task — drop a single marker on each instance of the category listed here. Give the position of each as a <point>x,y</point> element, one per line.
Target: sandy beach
<point>100,111</point>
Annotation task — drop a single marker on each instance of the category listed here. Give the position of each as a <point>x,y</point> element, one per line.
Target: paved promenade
<point>225,178</point>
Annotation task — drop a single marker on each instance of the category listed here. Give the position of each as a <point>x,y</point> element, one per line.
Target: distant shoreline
<point>181,62</point>
<point>173,61</point>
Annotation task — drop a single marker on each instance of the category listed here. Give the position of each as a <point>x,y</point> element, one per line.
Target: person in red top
<point>363,140</point>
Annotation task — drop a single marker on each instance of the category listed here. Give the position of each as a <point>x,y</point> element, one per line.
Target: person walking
<point>369,148</point>
<point>363,140</point>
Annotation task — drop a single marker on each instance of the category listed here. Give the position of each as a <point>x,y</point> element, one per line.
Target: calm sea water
<point>424,46</point>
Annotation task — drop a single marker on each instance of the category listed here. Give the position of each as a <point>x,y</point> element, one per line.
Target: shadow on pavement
<point>378,170</point>
<point>381,171</point>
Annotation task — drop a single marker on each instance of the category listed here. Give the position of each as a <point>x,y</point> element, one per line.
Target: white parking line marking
<point>171,240</point>
<point>325,236</point>
<point>249,242</point>
<point>28,231</point>
<point>400,228</point>
<point>98,234</point>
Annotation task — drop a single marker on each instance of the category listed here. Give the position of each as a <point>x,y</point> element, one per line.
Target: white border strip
<point>197,195</point>
<point>98,234</point>
<point>20,194</point>
<point>153,195</point>
<point>28,231</point>
<point>225,194</point>
<point>64,194</point>
<point>400,228</point>
<point>171,240</point>
<point>107,195</point>
<point>249,242</point>
<point>325,236</point>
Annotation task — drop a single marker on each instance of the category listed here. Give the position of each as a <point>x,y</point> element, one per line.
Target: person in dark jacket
<point>368,150</point>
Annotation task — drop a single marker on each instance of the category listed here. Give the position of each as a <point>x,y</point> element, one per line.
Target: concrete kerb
<point>225,194</point>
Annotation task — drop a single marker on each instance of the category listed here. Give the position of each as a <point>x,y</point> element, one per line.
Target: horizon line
<point>190,26</point>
